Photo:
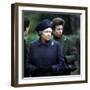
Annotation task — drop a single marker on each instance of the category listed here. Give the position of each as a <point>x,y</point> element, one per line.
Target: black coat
<point>25,60</point>
<point>70,53</point>
<point>45,59</point>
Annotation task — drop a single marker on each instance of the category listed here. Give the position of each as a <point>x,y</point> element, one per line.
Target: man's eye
<point>60,29</point>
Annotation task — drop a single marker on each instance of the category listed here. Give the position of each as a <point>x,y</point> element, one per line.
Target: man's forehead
<point>59,26</point>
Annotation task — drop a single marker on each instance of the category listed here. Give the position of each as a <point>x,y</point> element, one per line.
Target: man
<point>45,57</point>
<point>70,52</point>
<point>26,29</point>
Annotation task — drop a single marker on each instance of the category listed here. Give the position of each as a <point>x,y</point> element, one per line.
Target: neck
<point>43,40</point>
<point>57,38</point>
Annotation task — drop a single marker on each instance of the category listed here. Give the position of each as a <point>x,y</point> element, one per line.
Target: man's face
<point>58,31</point>
<point>46,34</point>
<point>26,31</point>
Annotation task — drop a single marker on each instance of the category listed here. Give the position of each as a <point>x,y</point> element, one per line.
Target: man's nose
<point>60,31</point>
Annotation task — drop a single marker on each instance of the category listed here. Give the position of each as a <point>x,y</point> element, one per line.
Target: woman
<point>45,56</point>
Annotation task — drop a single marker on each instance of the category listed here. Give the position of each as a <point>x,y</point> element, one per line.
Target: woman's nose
<point>49,34</point>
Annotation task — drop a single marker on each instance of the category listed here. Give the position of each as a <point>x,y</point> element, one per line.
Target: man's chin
<point>58,36</point>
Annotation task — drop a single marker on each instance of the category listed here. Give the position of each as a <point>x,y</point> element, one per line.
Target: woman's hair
<point>26,23</point>
<point>57,21</point>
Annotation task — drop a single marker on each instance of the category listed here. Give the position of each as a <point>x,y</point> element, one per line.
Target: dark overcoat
<point>45,59</point>
<point>70,53</point>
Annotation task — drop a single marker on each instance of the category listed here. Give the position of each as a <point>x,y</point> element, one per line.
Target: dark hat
<point>43,25</point>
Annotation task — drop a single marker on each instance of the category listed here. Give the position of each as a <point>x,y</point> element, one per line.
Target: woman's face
<point>46,34</point>
<point>58,31</point>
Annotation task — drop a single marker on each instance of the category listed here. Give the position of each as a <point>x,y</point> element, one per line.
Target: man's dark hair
<point>26,23</point>
<point>57,21</point>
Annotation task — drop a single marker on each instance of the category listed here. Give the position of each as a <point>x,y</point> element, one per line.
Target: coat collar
<point>47,43</point>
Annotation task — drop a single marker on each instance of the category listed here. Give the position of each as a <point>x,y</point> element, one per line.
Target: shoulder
<point>33,43</point>
<point>55,43</point>
<point>67,39</point>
